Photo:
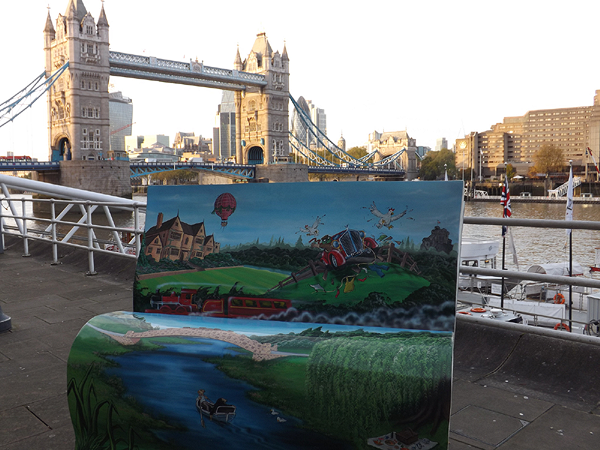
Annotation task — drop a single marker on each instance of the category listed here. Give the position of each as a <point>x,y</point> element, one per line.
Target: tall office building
<point>299,126</point>
<point>318,117</point>
<point>224,135</point>
<point>516,140</point>
<point>441,143</point>
<point>121,121</point>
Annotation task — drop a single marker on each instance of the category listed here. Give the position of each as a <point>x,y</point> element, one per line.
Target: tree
<point>548,158</point>
<point>510,171</point>
<point>357,152</point>
<point>432,166</point>
<point>181,176</point>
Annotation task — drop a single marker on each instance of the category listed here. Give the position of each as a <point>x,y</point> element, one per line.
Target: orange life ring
<point>559,299</point>
<point>478,310</point>
<point>465,312</point>
<point>562,325</point>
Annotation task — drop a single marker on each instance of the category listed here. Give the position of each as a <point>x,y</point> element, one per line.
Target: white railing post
<point>53,228</point>
<point>90,232</point>
<point>136,231</point>
<point>25,240</point>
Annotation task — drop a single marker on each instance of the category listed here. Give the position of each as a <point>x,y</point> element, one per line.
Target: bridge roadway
<point>512,389</point>
<point>246,171</point>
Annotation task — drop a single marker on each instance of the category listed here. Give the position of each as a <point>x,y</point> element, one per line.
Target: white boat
<point>481,252</point>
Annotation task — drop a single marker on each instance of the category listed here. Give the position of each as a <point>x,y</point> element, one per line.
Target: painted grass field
<point>253,281</point>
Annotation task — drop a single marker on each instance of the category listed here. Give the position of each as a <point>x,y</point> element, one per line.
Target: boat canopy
<point>559,269</point>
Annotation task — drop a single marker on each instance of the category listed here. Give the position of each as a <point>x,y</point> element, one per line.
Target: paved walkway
<point>48,305</point>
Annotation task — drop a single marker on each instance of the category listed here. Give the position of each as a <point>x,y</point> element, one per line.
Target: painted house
<point>178,241</point>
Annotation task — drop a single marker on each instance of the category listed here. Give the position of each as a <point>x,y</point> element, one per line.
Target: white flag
<point>569,212</point>
<point>513,248</point>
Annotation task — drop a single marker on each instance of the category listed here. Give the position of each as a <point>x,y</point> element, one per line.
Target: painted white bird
<point>280,419</point>
<point>273,412</point>
<point>312,230</point>
<point>385,220</point>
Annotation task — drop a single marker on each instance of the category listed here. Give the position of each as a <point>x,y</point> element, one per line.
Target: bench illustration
<point>313,317</point>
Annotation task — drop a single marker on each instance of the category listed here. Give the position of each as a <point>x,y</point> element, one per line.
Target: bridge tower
<point>262,118</point>
<point>78,104</point>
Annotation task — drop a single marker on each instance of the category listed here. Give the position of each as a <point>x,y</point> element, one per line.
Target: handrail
<point>86,203</point>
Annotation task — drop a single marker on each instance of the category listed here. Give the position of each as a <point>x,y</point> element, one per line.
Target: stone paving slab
<point>17,424</point>
<point>518,406</point>
<point>61,439</point>
<point>560,428</point>
<point>39,385</point>
<point>484,427</point>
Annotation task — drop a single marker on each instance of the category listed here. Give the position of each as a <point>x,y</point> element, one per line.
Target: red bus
<point>15,158</point>
<point>244,307</point>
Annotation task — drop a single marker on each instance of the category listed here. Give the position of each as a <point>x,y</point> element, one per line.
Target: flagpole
<point>506,212</point>
<point>569,216</point>
<point>503,268</point>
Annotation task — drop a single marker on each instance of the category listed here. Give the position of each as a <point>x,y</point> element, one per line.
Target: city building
<point>121,121</point>
<point>421,151</point>
<point>300,129</point>
<point>189,142</point>
<point>138,142</point>
<point>318,117</point>
<point>516,140</point>
<point>224,134</point>
<point>154,153</point>
<point>390,142</point>
<point>341,143</point>
<point>441,143</point>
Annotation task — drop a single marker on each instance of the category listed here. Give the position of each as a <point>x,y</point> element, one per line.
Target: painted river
<point>147,376</point>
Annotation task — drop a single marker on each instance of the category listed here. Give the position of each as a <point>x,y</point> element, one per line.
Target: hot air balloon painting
<point>224,207</point>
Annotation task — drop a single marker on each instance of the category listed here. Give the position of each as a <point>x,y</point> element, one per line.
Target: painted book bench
<point>279,316</point>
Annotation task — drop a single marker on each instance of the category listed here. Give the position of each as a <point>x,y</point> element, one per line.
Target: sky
<point>273,211</point>
<point>435,69</point>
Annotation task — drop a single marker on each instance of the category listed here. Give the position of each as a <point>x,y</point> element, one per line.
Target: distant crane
<point>122,128</point>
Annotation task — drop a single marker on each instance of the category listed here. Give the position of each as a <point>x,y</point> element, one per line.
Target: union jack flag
<point>505,202</point>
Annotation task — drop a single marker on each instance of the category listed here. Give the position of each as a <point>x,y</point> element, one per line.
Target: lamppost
<point>480,158</point>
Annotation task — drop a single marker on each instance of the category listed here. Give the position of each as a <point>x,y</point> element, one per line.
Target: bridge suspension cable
<point>26,97</point>
<point>309,133</point>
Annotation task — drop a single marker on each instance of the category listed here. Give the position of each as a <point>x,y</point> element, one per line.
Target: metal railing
<point>543,278</point>
<point>70,217</point>
<point>87,203</point>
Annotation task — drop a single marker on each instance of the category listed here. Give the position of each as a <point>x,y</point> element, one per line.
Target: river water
<point>533,245</point>
<point>538,245</point>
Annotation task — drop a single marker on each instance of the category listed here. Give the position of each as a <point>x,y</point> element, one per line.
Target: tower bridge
<point>78,67</point>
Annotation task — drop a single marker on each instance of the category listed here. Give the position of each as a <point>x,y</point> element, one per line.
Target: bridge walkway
<point>511,390</point>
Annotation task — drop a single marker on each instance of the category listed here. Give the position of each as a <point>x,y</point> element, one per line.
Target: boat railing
<point>536,223</point>
<point>533,318</point>
<point>68,217</point>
